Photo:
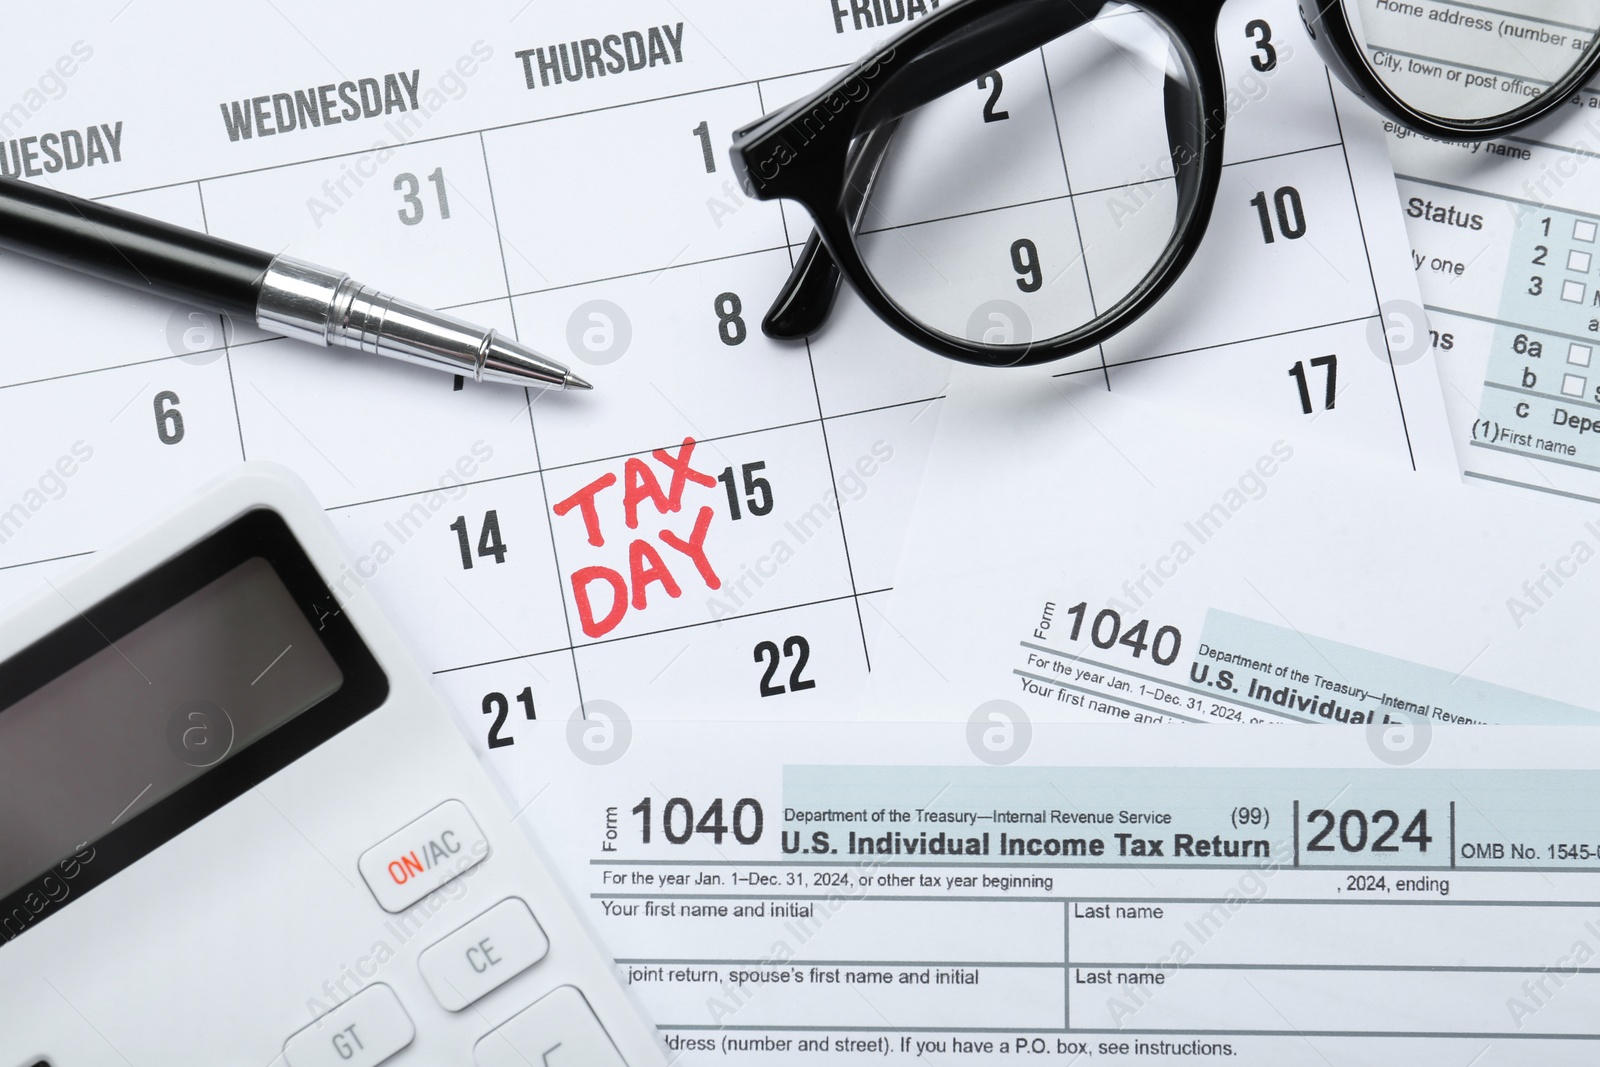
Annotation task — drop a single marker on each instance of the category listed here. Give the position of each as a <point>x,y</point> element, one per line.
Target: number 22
<point>800,649</point>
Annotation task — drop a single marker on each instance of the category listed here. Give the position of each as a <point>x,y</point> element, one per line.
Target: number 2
<point>797,647</point>
<point>989,113</point>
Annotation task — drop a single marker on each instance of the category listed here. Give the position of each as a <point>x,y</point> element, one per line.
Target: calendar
<point>714,530</point>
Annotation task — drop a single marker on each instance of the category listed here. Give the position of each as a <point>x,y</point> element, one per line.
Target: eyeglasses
<point>1018,217</point>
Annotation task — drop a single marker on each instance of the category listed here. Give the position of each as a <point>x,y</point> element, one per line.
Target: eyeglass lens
<point>1023,205</point>
<point>1471,61</point>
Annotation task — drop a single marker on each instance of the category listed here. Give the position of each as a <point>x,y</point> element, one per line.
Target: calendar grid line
<point>1372,276</point>
<point>44,560</point>
<point>222,326</point>
<point>783,214</point>
<point>470,483</point>
<point>101,370</point>
<point>822,422</point>
<point>1222,344</point>
<point>844,536</point>
<point>533,429</point>
<point>1071,196</point>
<point>233,392</point>
<point>678,265</point>
<point>1077,226</point>
<point>657,632</point>
<point>555,555</point>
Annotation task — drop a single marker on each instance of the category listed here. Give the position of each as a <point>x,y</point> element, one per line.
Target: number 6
<point>169,420</point>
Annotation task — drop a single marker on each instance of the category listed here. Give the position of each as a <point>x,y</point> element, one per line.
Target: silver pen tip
<point>512,363</point>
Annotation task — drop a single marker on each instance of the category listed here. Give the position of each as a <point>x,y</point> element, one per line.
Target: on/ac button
<point>432,851</point>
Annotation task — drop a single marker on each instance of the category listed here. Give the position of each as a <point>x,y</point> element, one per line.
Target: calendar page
<point>714,529</point>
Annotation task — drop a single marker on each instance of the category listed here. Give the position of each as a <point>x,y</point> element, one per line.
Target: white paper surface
<point>1085,557</point>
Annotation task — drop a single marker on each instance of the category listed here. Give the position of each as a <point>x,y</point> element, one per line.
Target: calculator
<point>237,826</point>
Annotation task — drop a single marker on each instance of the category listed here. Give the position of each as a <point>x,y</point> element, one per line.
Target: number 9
<point>1025,261</point>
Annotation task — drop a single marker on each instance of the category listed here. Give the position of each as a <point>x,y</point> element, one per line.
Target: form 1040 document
<point>923,894</point>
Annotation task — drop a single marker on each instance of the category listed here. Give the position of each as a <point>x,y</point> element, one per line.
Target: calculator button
<point>437,848</point>
<point>560,1030</point>
<point>483,955</point>
<point>365,1030</point>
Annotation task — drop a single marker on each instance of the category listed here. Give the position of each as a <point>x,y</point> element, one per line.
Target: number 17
<point>1330,395</point>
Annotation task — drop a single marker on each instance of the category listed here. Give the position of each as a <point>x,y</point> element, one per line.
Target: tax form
<point>1506,248</point>
<point>717,526</point>
<point>907,893</point>
<point>1145,567</point>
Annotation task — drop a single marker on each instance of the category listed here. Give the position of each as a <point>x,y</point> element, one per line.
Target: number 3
<point>1260,31</point>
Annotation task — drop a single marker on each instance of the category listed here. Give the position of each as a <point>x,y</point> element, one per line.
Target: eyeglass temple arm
<point>804,302</point>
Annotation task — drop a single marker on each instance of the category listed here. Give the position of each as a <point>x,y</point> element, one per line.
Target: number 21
<point>497,705</point>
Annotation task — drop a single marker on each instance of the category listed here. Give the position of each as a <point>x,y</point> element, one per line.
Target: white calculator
<point>238,827</point>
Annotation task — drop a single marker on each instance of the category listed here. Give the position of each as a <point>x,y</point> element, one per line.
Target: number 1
<point>703,131</point>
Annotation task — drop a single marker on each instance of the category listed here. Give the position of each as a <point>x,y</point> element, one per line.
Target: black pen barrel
<point>141,253</point>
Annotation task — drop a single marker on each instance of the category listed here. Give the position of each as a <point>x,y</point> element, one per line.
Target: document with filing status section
<point>899,892</point>
<point>1082,557</point>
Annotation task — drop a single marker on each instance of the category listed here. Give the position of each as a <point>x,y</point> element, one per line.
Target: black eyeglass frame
<point>820,152</point>
<point>803,153</point>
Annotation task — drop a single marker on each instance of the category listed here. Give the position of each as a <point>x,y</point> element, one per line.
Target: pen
<point>281,294</point>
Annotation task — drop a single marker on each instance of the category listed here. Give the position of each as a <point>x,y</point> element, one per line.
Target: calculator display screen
<point>150,712</point>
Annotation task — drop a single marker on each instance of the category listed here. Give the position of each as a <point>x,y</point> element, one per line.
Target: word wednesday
<point>595,57</point>
<point>324,105</point>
